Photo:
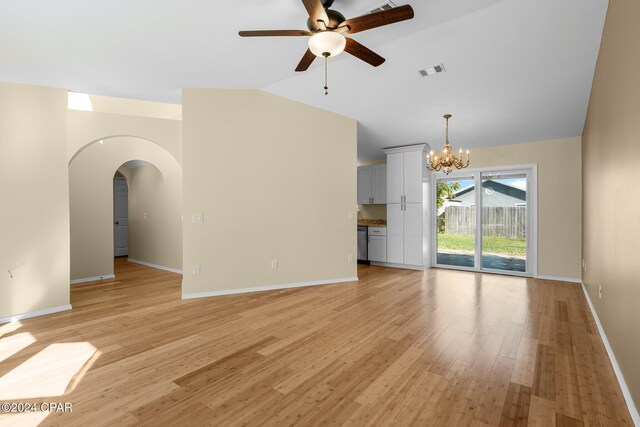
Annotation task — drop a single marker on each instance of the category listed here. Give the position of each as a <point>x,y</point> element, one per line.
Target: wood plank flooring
<point>398,347</point>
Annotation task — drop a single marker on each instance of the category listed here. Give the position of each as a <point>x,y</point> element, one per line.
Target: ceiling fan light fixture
<point>327,42</point>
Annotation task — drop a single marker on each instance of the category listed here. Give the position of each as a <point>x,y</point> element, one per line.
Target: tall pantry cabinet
<point>407,205</point>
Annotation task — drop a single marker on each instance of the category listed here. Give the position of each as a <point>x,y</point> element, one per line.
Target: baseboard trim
<point>404,266</point>
<point>159,267</point>
<point>93,279</point>
<point>38,313</point>
<point>267,288</point>
<point>560,279</point>
<point>612,357</point>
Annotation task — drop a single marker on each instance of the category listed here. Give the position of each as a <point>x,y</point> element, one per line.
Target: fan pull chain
<point>326,74</point>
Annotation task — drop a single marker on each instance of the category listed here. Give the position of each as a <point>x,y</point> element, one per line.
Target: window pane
<point>456,226</point>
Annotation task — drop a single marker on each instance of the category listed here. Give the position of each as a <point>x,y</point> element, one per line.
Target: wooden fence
<point>497,221</point>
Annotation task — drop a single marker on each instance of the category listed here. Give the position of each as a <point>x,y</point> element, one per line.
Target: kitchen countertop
<point>372,222</point>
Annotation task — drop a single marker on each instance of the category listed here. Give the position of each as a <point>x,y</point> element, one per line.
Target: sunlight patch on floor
<point>29,419</point>
<point>48,373</point>
<point>9,327</point>
<point>15,343</point>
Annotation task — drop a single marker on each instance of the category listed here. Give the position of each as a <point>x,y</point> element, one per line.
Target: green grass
<point>496,245</point>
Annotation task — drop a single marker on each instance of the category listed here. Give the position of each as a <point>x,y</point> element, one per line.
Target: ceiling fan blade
<point>378,19</point>
<point>363,53</point>
<point>270,33</point>
<point>306,61</point>
<point>316,11</point>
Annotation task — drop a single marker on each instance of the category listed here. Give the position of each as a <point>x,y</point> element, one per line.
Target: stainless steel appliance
<point>363,251</point>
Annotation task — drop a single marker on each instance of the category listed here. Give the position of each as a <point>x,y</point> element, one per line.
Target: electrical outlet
<point>198,218</point>
<point>350,259</point>
<point>274,264</point>
<point>584,264</point>
<point>600,291</point>
<point>196,270</point>
<point>144,215</point>
<point>351,216</point>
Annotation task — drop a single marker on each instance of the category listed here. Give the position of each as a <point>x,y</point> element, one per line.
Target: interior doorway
<point>486,220</point>
<point>120,216</point>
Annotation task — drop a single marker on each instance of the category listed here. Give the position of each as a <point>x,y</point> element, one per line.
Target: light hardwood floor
<point>398,347</point>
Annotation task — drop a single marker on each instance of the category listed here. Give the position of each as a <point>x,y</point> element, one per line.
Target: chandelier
<point>447,161</point>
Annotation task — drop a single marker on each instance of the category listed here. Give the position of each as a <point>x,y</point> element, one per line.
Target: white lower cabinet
<point>395,233</point>
<point>404,234</point>
<point>413,236</point>
<point>378,248</point>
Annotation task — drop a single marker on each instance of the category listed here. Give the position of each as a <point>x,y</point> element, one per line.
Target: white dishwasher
<point>377,244</point>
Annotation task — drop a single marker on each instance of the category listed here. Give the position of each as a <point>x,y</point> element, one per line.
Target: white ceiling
<point>517,70</point>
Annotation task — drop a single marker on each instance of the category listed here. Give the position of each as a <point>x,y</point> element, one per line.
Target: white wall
<point>34,199</point>
<point>275,179</point>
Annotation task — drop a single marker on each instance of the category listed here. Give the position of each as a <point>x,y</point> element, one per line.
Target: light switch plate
<point>198,218</point>
<point>274,264</point>
<point>196,270</point>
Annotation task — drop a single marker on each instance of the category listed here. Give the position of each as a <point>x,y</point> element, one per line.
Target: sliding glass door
<point>504,221</point>
<point>484,220</point>
<point>456,222</point>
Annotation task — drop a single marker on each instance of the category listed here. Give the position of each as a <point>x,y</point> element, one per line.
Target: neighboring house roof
<point>499,187</point>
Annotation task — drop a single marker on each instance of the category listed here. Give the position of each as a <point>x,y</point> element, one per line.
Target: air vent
<point>384,6</point>
<point>434,69</point>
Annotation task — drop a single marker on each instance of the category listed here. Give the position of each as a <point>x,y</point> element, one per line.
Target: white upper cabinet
<point>372,185</point>
<point>379,184</point>
<point>365,184</point>
<point>405,172</point>
<point>395,177</point>
<point>413,173</point>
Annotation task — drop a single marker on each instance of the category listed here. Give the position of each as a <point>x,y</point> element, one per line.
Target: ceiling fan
<point>327,27</point>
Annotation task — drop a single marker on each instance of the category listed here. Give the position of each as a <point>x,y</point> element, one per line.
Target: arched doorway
<point>149,178</point>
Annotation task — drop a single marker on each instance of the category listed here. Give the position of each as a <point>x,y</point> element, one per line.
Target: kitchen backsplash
<point>372,212</point>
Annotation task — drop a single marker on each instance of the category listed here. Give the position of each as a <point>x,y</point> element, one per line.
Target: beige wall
<point>135,107</point>
<point>91,201</point>
<point>155,215</point>
<point>559,198</point>
<point>275,179</point>
<point>611,148</point>
<point>34,213</point>
<point>85,127</point>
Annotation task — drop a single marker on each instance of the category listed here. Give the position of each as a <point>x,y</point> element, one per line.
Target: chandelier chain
<point>446,138</point>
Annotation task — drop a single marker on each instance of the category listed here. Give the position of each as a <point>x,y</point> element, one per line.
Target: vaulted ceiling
<point>517,70</point>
